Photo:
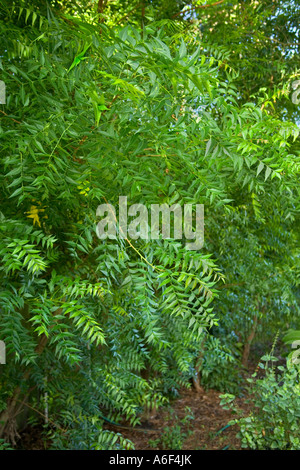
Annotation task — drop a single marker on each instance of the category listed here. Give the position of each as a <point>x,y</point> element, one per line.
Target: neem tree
<point>106,329</point>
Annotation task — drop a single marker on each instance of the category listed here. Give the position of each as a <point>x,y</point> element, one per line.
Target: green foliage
<point>291,336</point>
<point>154,111</point>
<point>275,400</point>
<point>218,368</point>
<point>76,311</point>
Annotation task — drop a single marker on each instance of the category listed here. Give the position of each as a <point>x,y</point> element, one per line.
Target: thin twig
<point>19,122</point>
<point>42,414</point>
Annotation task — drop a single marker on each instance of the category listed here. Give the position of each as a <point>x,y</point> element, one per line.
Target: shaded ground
<point>168,430</point>
<point>198,433</point>
<point>32,439</point>
<point>167,426</point>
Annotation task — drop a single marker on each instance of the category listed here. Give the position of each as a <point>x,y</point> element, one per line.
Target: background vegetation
<point>162,102</point>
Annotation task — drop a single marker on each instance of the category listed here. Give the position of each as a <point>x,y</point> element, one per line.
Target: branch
<point>19,122</point>
<point>197,7</point>
<point>101,5</point>
<point>100,8</point>
<point>42,414</point>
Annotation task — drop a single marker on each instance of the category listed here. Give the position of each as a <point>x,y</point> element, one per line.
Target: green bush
<point>274,421</point>
<point>108,328</point>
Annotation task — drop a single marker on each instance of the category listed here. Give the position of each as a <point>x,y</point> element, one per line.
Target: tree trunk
<point>249,340</point>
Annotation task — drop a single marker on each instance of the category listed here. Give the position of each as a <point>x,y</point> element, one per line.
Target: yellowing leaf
<point>34,214</point>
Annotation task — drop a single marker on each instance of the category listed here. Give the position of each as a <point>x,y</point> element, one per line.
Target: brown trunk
<point>196,383</point>
<point>248,342</point>
<point>100,8</point>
